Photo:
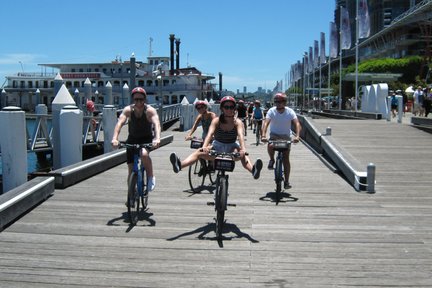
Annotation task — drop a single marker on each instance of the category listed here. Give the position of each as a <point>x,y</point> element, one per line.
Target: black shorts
<point>130,151</point>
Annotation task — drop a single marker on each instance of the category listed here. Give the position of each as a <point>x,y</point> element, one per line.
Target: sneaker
<point>257,169</point>
<point>270,165</point>
<point>175,161</point>
<point>287,185</point>
<point>151,183</point>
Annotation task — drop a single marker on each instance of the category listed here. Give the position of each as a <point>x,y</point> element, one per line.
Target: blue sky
<point>252,43</point>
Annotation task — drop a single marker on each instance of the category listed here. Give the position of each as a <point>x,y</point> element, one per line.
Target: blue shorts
<point>225,147</point>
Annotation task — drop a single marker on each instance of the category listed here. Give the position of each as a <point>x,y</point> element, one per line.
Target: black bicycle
<point>280,146</point>
<point>224,162</point>
<point>258,127</point>
<point>200,169</point>
<point>137,183</point>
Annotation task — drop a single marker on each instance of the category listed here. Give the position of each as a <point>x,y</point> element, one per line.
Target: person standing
<point>280,119</point>
<point>143,127</point>
<point>418,102</point>
<point>427,101</point>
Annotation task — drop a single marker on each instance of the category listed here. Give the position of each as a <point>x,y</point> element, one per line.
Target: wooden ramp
<point>322,234</point>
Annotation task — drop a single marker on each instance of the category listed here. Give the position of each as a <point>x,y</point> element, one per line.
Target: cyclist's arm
<point>120,122</point>
<point>194,127</point>
<point>211,131</point>
<point>154,118</point>
<point>297,128</point>
<point>264,128</point>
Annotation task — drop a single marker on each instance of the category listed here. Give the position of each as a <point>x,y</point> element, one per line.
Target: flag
<point>316,54</point>
<point>364,21</point>
<point>322,49</point>
<point>333,41</point>
<point>345,29</point>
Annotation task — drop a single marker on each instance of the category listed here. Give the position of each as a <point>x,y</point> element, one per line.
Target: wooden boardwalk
<point>324,234</point>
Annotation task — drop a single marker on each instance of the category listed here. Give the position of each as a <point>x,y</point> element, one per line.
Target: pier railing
<point>40,135</point>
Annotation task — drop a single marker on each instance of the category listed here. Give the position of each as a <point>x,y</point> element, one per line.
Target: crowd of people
<point>223,133</point>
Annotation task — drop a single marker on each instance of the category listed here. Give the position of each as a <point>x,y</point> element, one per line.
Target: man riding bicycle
<point>280,118</point>
<point>142,120</point>
<point>242,113</point>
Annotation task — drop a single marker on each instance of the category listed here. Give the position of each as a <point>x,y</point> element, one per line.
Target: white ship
<point>164,83</point>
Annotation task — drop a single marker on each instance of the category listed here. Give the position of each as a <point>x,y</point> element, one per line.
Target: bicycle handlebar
<point>225,154</point>
<point>136,146</point>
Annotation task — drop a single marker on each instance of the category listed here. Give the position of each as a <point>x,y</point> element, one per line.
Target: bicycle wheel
<point>210,173</point>
<point>258,135</point>
<point>144,194</point>
<point>197,175</point>
<point>221,204</point>
<point>278,178</point>
<point>133,200</point>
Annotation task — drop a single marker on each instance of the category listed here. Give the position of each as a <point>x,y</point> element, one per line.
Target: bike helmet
<point>138,90</point>
<point>200,103</point>
<point>90,106</point>
<point>227,99</point>
<point>240,102</point>
<point>257,102</point>
<point>280,97</point>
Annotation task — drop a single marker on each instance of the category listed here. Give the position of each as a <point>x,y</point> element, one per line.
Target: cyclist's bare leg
<point>130,167</point>
<point>287,165</point>
<point>192,158</point>
<point>270,152</point>
<point>147,162</point>
<point>247,164</point>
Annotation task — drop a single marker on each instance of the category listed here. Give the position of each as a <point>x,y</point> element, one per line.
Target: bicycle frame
<point>279,146</point>
<point>224,162</point>
<point>137,186</point>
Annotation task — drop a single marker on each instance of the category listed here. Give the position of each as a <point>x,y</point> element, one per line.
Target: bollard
<point>328,131</point>
<point>371,169</point>
<point>400,108</point>
<point>71,123</point>
<point>13,145</point>
<point>108,99</point>
<point>62,99</point>
<point>109,118</point>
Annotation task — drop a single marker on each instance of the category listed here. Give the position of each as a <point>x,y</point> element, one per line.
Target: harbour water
<point>33,163</point>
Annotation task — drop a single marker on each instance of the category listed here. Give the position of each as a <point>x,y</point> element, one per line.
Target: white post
<point>125,94</point>
<point>400,108</point>
<point>71,123</point>
<point>3,98</point>
<point>87,90</point>
<point>371,170</point>
<point>108,100</point>
<point>109,119</point>
<point>62,99</point>
<point>13,143</point>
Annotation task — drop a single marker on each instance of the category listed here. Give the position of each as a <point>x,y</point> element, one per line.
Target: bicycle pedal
<point>231,204</point>
<point>210,203</point>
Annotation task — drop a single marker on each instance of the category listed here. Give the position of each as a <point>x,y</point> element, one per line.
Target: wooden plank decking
<point>324,235</point>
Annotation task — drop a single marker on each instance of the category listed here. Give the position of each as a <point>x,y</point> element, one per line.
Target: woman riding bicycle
<point>204,118</point>
<point>222,137</point>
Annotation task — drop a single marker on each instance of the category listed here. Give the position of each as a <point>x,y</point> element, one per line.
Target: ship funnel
<point>171,38</point>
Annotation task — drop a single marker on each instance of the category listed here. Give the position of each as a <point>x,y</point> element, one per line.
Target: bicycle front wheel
<point>196,175</point>
<point>144,194</point>
<point>221,204</point>
<point>133,199</point>
<point>278,178</point>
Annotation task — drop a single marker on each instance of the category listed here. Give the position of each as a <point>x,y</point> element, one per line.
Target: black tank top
<point>140,129</point>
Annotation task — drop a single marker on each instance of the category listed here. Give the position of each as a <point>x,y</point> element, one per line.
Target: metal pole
<point>340,58</point>
<point>356,64</point>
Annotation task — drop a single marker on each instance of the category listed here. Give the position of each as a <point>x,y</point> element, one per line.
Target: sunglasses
<point>278,102</point>
<point>200,107</point>
<point>138,99</point>
<point>228,107</point>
